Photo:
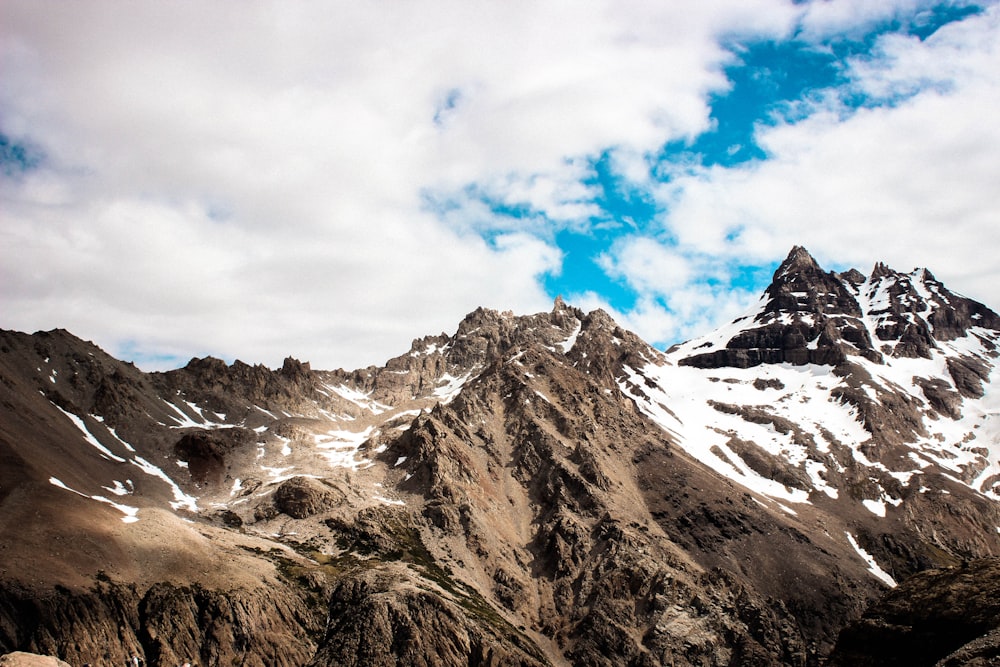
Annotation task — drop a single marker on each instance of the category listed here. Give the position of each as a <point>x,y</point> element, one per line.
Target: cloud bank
<point>330,179</point>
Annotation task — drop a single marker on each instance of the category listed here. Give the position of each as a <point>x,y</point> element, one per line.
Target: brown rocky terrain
<point>22,659</point>
<point>938,617</point>
<point>530,490</point>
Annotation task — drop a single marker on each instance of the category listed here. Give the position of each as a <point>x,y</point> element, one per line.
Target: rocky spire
<point>881,270</point>
<point>808,315</point>
<point>800,285</point>
<point>798,260</point>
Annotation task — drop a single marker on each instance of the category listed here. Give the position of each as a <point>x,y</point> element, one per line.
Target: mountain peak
<point>814,316</point>
<point>798,258</point>
<point>881,270</point>
<point>800,285</point>
<point>801,274</point>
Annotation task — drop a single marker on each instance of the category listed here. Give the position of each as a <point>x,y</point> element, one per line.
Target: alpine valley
<point>816,483</point>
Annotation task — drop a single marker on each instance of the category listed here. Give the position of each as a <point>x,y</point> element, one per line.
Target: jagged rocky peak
<point>801,286</point>
<point>913,311</point>
<point>230,389</point>
<point>485,334</point>
<point>436,366</point>
<point>809,315</point>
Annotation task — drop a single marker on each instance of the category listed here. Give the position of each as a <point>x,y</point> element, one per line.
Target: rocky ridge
<point>542,489</point>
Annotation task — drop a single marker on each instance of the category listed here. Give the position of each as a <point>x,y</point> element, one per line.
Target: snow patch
<point>118,489</point>
<point>114,434</point>
<point>340,448</point>
<point>451,387</point>
<point>873,566</point>
<point>89,437</point>
<point>876,507</point>
<point>181,499</point>
<point>278,474</point>
<point>568,344</point>
<point>131,513</point>
<point>360,399</point>
<point>183,419</point>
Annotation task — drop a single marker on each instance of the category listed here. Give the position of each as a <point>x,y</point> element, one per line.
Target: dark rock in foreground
<point>939,617</point>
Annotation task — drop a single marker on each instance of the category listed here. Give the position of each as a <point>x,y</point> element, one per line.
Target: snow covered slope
<point>890,375</point>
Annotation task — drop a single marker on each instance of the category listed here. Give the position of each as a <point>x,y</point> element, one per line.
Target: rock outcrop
<point>22,659</point>
<point>166,624</point>
<point>302,497</point>
<point>811,316</point>
<point>939,617</point>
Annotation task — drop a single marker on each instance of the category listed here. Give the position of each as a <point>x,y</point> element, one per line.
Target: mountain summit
<point>808,315</point>
<point>541,489</point>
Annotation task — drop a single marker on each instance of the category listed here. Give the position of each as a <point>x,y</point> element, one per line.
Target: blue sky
<point>768,82</point>
<point>331,181</point>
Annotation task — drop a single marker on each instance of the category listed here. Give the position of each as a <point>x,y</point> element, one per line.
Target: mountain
<point>530,490</point>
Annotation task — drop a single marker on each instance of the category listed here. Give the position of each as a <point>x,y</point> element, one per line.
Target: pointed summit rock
<point>881,270</point>
<point>798,259</point>
<point>800,285</point>
<point>808,315</point>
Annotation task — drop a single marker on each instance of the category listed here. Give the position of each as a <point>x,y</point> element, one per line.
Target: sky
<point>331,180</point>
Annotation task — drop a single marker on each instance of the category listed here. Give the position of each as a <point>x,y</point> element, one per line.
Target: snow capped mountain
<point>541,489</point>
<point>889,373</point>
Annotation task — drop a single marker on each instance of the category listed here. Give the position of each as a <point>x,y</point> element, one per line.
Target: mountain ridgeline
<point>817,482</point>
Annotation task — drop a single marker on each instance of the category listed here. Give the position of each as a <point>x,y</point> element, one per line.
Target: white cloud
<point>687,312</point>
<point>250,179</point>
<point>911,184</point>
<point>852,18</point>
<point>648,266</point>
<point>680,295</point>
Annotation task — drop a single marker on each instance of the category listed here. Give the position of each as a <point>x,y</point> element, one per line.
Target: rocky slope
<point>530,490</point>
<point>938,617</point>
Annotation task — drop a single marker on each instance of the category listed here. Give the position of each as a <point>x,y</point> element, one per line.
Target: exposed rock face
<point>387,617</point>
<point>301,497</point>
<point>206,451</point>
<point>531,490</point>
<point>603,569</point>
<point>938,617</point>
<point>22,659</point>
<point>229,389</point>
<point>165,625</point>
<point>810,316</point>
